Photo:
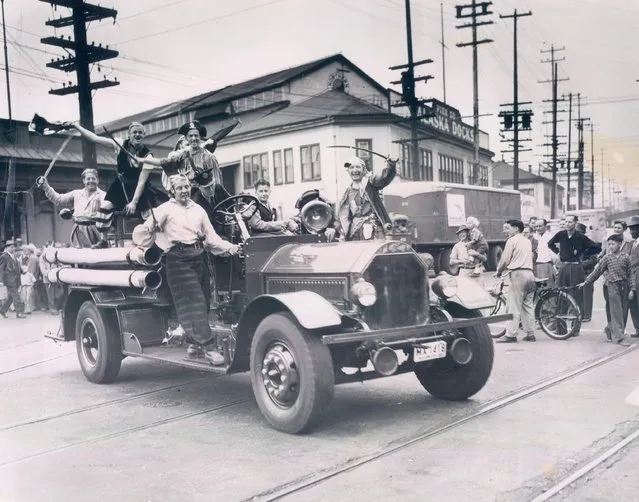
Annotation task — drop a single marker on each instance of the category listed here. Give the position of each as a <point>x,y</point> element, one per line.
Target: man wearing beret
<point>361,214</point>
<point>10,272</point>
<point>615,266</point>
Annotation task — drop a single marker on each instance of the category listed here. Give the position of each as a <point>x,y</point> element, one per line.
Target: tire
<point>497,331</point>
<point>308,363</point>
<point>444,379</point>
<point>444,263</point>
<point>558,314</point>
<point>494,255</point>
<point>99,348</point>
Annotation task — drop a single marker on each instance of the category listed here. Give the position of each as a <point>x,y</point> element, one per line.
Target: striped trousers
<point>188,277</point>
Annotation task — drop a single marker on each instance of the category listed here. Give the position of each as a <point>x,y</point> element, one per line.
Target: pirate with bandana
<point>361,214</point>
<point>192,158</point>
<point>130,191</point>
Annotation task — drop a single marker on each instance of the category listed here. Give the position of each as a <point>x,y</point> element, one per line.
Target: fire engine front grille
<point>331,288</point>
<point>402,291</point>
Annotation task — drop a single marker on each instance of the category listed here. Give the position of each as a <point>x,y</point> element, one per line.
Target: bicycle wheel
<point>498,330</point>
<point>558,314</point>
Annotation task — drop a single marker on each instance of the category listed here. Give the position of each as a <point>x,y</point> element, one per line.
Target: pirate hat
<point>194,124</point>
<point>309,196</point>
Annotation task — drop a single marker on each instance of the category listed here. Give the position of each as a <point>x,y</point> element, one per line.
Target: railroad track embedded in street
<point>304,482</point>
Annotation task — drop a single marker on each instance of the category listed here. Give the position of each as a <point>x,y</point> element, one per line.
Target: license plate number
<point>429,351</point>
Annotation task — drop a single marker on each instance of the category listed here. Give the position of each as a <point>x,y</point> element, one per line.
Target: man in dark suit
<point>208,194</point>
<point>10,272</point>
<point>267,218</point>
<point>633,226</point>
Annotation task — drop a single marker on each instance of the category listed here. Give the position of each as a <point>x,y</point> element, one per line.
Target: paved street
<point>161,433</point>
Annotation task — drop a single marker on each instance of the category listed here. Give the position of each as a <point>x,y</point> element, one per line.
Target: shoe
<point>586,319</point>
<point>623,343</point>
<point>529,338</point>
<point>214,358</point>
<point>634,335</point>
<point>3,315</point>
<point>194,351</point>
<point>608,333</point>
<point>507,339</point>
<point>20,316</point>
<point>100,244</point>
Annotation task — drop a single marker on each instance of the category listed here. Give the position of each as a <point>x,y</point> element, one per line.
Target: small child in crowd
<point>477,243</point>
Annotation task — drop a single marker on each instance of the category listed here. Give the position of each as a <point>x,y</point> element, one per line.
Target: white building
<point>290,118</point>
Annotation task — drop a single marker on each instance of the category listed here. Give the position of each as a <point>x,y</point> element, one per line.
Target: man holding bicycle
<point>517,260</point>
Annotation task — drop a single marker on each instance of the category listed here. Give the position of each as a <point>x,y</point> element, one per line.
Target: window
<point>289,171</point>
<point>278,174</point>
<point>367,144</point>
<point>527,191</point>
<point>310,161</point>
<point>451,169</point>
<point>425,163</point>
<point>255,167</point>
<point>546,196</point>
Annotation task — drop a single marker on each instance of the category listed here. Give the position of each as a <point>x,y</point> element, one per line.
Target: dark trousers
<point>13,296</point>
<point>571,274</point>
<point>616,296</point>
<point>588,294</point>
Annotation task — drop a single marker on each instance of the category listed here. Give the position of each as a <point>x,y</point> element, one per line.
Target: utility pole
<point>569,146</point>
<point>414,104</point>
<point>443,44</point>
<point>580,157</point>
<point>81,14</point>
<point>555,80</point>
<point>603,202</point>
<point>515,16</point>
<point>592,169</point>
<point>9,218</point>
<point>477,10</point>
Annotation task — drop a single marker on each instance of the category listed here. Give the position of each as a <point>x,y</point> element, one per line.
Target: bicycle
<point>557,312</point>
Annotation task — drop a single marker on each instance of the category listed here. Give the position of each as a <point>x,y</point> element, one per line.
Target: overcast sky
<point>175,49</point>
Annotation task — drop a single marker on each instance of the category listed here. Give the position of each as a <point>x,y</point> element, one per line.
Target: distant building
<point>530,185</point>
<point>562,177</point>
<point>290,117</point>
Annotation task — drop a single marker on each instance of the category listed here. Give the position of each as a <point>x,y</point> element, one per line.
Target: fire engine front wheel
<point>445,379</point>
<point>291,374</point>
<point>99,351</point>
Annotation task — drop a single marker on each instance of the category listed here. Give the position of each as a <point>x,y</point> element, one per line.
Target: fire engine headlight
<point>445,285</point>
<point>364,293</point>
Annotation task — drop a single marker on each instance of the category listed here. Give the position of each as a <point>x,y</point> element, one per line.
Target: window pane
<point>305,157</point>
<point>289,171</point>
<point>315,158</point>
<point>264,164</point>
<point>278,175</point>
<point>367,144</point>
<point>248,170</point>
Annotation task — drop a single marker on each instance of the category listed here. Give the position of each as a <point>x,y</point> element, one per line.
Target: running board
<point>176,356</point>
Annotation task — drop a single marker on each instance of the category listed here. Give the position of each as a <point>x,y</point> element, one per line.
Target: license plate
<point>428,351</point>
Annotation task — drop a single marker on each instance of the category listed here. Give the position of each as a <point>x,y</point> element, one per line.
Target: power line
<point>197,23</point>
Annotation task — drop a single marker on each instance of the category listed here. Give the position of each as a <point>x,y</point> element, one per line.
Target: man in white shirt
<point>187,227</point>
<point>546,259</point>
<point>517,261</point>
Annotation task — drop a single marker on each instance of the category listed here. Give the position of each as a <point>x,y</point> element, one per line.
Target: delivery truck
<point>427,214</point>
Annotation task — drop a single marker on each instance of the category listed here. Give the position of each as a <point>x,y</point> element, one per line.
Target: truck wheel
<point>444,263</point>
<point>291,373</point>
<point>444,379</point>
<point>99,349</point>
<point>494,255</point>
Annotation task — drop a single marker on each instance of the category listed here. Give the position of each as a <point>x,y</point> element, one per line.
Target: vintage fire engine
<point>300,314</point>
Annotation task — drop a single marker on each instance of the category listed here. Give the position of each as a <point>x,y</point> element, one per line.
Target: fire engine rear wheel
<point>444,379</point>
<point>99,350</point>
<point>291,374</point>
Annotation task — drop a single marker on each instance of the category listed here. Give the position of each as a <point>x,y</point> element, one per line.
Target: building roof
<point>503,173</point>
<point>327,105</point>
<point>236,91</point>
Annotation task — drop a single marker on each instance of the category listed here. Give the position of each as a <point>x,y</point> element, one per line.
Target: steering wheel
<point>224,213</point>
